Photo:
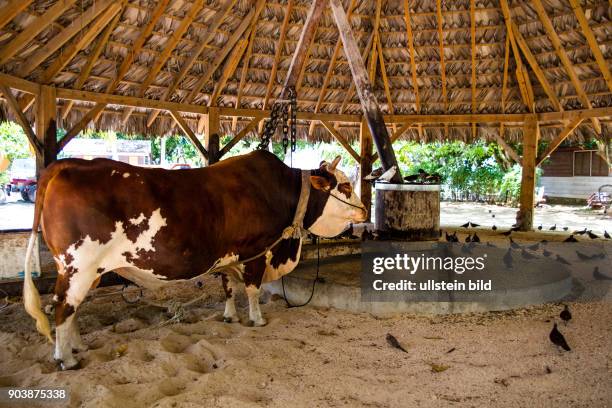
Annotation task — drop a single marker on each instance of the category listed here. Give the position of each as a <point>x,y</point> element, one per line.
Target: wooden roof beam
<point>33,29</point>
<point>341,139</point>
<point>189,133</point>
<point>567,64</point>
<point>364,56</point>
<point>10,11</point>
<point>20,117</point>
<point>441,41</point>
<point>410,40</point>
<point>163,57</point>
<point>91,61</point>
<point>216,21</point>
<point>80,125</point>
<point>241,135</point>
<point>396,135</point>
<point>278,52</point>
<point>564,134</point>
<point>504,83</point>
<point>473,52</point>
<point>228,70</point>
<point>603,65</point>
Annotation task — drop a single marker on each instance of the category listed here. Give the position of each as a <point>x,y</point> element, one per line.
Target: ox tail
<point>31,296</point>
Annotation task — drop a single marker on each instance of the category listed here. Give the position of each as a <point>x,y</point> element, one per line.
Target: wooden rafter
<point>383,71</point>
<point>504,83</point>
<point>44,52</point>
<point>564,134</point>
<point>473,49</point>
<point>241,135</point>
<point>278,53</point>
<point>33,29</point>
<point>91,61</point>
<point>163,57</point>
<point>228,69</point>
<point>413,69</point>
<point>189,133</point>
<point>10,10</point>
<point>341,139</point>
<point>441,42</point>
<point>603,65</point>
<point>220,57</point>
<point>507,148</point>
<point>569,67</point>
<point>396,135</point>
<point>20,117</point>
<point>216,21</point>
<point>364,55</point>
<point>79,126</point>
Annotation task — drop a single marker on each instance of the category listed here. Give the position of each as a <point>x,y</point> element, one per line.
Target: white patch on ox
<point>236,271</point>
<point>88,256</point>
<point>113,172</point>
<point>126,175</point>
<point>273,273</point>
<point>138,220</point>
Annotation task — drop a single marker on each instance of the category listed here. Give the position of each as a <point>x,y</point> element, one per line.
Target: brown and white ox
<point>153,226</point>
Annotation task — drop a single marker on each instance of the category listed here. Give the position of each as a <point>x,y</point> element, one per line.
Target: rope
<point>289,305</point>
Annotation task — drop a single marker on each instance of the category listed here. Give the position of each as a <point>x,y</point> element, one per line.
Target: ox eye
<point>346,189</point>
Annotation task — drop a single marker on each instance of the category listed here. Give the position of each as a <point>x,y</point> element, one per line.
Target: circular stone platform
<point>340,288</point>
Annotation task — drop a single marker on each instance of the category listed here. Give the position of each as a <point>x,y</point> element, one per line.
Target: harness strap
<point>295,229</point>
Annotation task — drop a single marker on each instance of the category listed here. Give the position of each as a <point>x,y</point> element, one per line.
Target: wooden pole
<point>531,133</point>
<point>369,104</point>
<point>365,166</point>
<point>212,135</point>
<point>46,127</point>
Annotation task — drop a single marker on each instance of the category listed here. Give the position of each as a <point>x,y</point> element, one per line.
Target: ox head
<point>341,205</point>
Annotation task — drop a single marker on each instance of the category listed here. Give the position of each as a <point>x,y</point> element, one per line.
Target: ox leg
<point>253,275</point>
<point>229,286</point>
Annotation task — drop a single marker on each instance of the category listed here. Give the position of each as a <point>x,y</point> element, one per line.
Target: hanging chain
<point>281,108</point>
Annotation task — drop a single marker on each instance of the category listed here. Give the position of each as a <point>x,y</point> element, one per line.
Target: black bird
<point>581,232</point>
<point>606,235</point>
<point>394,343</point>
<point>367,236</point>
<point>508,258</point>
<point>475,238</point>
<point>592,236</point>
<point>562,260</point>
<point>554,227</point>
<point>570,239</point>
<point>565,314</point>
<point>468,238</point>
<point>514,244</point>
<point>583,257</point>
<point>540,227</point>
<point>474,225</point>
<point>534,247</point>
<point>507,233</point>
<point>466,225</point>
<point>565,228</point>
<point>492,215</point>
<point>451,238</point>
<point>599,276</point>
<point>494,228</point>
<point>525,254</point>
<point>557,338</point>
<point>490,211</point>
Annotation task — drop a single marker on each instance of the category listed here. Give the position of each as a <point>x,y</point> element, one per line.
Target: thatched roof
<point>323,87</point>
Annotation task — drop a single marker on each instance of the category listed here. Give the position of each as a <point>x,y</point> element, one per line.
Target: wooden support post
<point>531,133</point>
<point>212,135</point>
<point>369,103</point>
<point>365,166</point>
<point>46,127</point>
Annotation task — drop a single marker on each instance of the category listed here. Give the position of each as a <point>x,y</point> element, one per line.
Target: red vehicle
<point>22,176</point>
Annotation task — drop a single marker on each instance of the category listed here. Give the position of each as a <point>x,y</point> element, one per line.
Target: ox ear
<point>320,183</point>
<point>333,165</point>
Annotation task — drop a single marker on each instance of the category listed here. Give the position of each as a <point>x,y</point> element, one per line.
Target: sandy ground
<point>17,214</point>
<point>313,357</point>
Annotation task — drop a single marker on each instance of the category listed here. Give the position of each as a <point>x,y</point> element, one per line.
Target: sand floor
<point>313,357</point>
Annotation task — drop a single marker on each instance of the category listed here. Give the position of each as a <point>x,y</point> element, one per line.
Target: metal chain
<point>281,108</point>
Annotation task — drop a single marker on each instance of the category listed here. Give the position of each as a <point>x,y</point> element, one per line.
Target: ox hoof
<point>231,319</point>
<point>258,323</point>
<point>72,364</point>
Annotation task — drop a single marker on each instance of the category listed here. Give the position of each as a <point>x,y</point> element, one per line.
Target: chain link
<point>281,110</point>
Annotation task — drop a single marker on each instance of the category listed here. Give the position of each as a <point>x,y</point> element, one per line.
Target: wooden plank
<point>369,104</point>
<point>79,43</point>
<point>215,22</point>
<point>304,43</point>
<point>365,167</point>
<point>52,45</point>
<point>567,64</point>
<point>189,133</point>
<point>507,148</point>
<point>163,56</point>
<point>80,125</point>
<point>504,83</point>
<point>383,71</point>
<point>212,135</point>
<point>564,134</point>
<point>341,139</point>
<point>396,135</point>
<point>473,54</point>
<point>441,51</point>
<point>228,70</point>
<point>220,57</point>
<point>19,84</point>
<point>20,118</point>
<point>602,63</point>
<point>46,127</point>
<point>11,9</point>
<point>531,133</point>
<point>33,29</point>
<point>278,52</point>
<point>91,61</point>
<point>413,69</point>
<point>241,135</point>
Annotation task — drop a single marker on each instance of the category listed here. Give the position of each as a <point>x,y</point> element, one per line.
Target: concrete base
<point>341,289</point>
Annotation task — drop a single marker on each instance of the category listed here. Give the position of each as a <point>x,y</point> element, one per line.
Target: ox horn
<point>333,165</point>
